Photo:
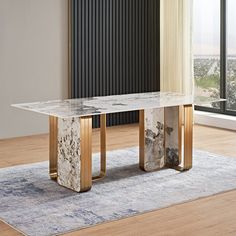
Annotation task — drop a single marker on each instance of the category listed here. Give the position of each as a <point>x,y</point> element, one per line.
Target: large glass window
<point>206,43</point>
<point>231,56</point>
<point>214,40</point>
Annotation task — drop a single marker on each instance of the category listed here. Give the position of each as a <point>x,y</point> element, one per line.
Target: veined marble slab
<point>161,138</point>
<point>69,153</point>
<point>154,150</point>
<point>172,136</point>
<point>107,104</point>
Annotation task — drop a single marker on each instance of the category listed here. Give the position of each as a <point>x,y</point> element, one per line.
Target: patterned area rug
<point>35,205</point>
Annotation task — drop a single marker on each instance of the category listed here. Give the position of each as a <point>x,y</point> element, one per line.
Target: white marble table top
<point>106,104</point>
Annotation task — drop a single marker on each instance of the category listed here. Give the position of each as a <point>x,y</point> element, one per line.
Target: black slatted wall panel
<point>115,50</point>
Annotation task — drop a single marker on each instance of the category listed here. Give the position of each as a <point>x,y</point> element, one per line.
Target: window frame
<point>223,64</point>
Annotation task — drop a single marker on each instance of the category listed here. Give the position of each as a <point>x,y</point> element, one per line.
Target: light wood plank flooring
<point>215,215</point>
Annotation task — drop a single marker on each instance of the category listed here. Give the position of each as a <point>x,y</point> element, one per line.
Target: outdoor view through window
<point>206,42</point>
<point>231,55</point>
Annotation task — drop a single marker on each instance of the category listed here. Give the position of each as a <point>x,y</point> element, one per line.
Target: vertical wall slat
<point>115,50</point>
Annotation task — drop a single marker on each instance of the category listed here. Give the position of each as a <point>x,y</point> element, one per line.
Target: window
<point>231,56</point>
<point>206,43</point>
<point>214,40</point>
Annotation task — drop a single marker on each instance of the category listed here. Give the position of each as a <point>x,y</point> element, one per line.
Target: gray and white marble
<point>69,153</point>
<point>154,150</point>
<point>161,138</point>
<point>172,136</point>
<point>107,104</point>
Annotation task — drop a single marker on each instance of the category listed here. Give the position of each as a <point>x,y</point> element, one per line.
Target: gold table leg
<point>85,153</point>
<point>180,123</point>
<point>53,147</point>
<point>188,138</point>
<point>102,148</point>
<point>141,140</point>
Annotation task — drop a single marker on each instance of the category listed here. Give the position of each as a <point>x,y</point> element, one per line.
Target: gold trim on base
<point>188,136</point>
<point>141,139</point>
<point>102,147</point>
<point>53,129</point>
<point>180,124</point>
<point>85,153</point>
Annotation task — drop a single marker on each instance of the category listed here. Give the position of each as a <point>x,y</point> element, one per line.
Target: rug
<point>37,206</point>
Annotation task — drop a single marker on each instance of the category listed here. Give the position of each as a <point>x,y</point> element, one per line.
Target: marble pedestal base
<point>160,145</point>
<point>69,164</point>
<point>152,139</point>
<point>71,153</point>
<point>160,137</point>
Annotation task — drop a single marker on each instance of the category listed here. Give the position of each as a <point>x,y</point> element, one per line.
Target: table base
<point>160,145</point>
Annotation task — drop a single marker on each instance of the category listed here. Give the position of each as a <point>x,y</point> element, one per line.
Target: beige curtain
<point>176,46</point>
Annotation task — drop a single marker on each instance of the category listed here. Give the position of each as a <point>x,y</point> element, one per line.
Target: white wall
<point>33,61</point>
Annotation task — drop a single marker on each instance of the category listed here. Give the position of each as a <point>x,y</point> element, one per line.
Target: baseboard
<point>215,120</point>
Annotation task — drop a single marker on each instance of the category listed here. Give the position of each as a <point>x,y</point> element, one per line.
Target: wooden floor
<point>215,215</point>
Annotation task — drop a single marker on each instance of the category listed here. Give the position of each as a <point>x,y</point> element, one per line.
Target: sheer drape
<point>176,46</point>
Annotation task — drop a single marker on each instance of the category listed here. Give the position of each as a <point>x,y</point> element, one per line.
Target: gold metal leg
<point>141,139</point>
<point>85,153</point>
<point>102,148</point>
<point>188,138</point>
<point>53,147</point>
<point>180,122</point>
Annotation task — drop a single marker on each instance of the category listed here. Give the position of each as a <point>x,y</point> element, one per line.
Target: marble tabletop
<point>107,104</point>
